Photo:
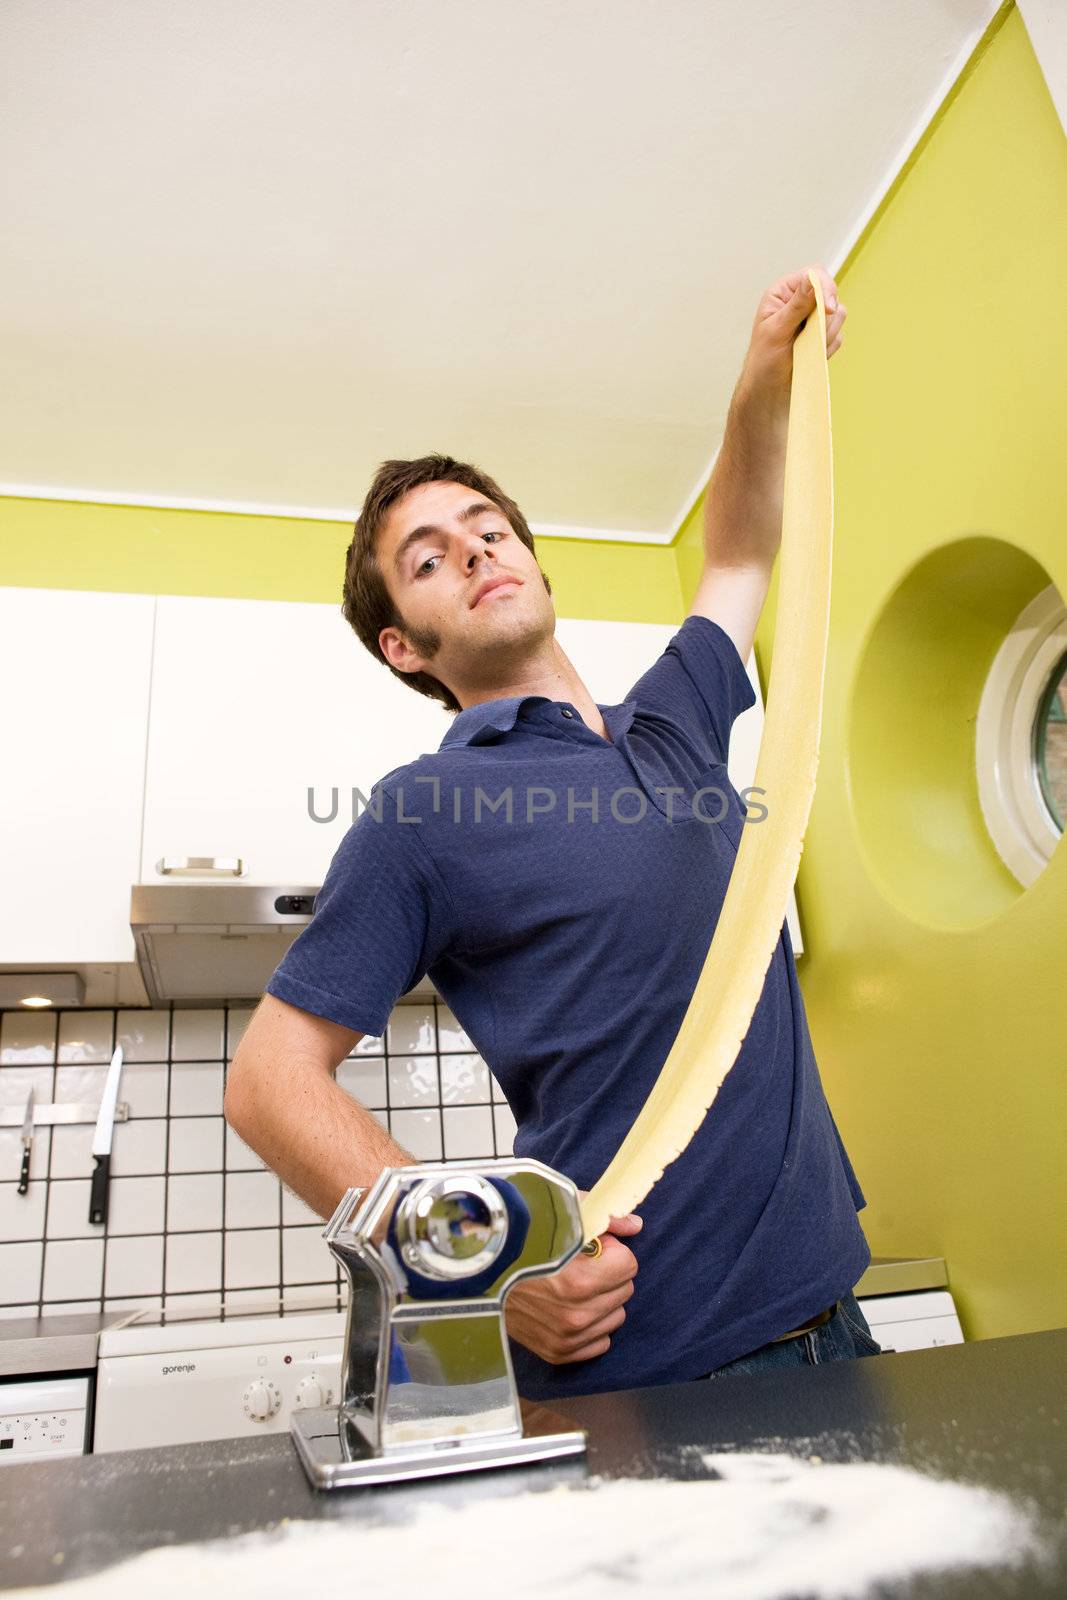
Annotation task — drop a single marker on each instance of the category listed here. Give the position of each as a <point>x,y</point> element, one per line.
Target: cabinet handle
<point>201,866</point>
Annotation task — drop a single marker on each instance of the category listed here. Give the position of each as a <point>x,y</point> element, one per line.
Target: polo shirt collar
<point>478,724</point>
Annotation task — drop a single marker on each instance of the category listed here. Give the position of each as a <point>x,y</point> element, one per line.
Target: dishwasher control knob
<point>311,1392</point>
<point>262,1400</point>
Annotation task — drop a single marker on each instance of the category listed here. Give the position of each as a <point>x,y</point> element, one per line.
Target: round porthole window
<point>1021,749</point>
<point>1050,743</point>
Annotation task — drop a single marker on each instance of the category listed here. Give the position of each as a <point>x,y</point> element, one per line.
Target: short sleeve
<point>382,918</point>
<point>700,682</point>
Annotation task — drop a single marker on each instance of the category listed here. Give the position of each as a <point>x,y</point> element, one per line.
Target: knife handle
<point>98,1191</point>
<point>24,1175</point>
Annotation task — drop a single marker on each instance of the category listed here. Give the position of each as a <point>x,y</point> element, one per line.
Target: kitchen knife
<point>105,1127</point>
<point>27,1144</point>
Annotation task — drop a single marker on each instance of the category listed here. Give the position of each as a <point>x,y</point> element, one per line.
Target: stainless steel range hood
<point>205,943</point>
<point>208,943</point>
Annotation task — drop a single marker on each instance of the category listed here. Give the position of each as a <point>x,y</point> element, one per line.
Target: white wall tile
<point>450,1032</point>
<point>413,1081</point>
<point>135,1205</point>
<point>80,1084</point>
<point>139,1302</point>
<point>198,1036</point>
<point>364,1079</point>
<point>240,1157</point>
<point>253,1199</point>
<point>294,1211</point>
<point>16,1083</point>
<point>194,1262</point>
<point>464,1080</point>
<point>62,1308</point>
<point>22,1215</point>
<point>196,1089</point>
<point>201,1306</point>
<point>312,1297</point>
<point>138,1148</point>
<point>20,1272</point>
<point>468,1132</point>
<point>144,1034</point>
<point>194,1204</point>
<point>134,1266</point>
<point>252,1258</point>
<point>73,1269</point>
<point>419,1132</point>
<point>412,1030</point>
<point>72,1152</point>
<point>251,1300</point>
<point>504,1128</point>
<point>498,1094</point>
<point>11,1152</point>
<point>143,1086</point>
<point>237,1020</point>
<point>196,1144</point>
<point>68,1210</point>
<point>85,1036</point>
<point>369,1045</point>
<point>306,1257</point>
<point>27,1038</point>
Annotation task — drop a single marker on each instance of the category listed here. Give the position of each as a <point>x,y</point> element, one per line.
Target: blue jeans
<point>843,1338</point>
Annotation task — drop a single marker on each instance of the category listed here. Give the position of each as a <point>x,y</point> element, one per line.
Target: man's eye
<point>419,570</point>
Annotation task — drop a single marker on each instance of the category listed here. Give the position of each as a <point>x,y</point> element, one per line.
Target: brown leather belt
<point>806,1327</point>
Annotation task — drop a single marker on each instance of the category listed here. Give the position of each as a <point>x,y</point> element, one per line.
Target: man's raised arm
<point>283,1099</point>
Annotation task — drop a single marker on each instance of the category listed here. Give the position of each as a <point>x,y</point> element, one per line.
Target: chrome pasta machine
<point>427,1385</point>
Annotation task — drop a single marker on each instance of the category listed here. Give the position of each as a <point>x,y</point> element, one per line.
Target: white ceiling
<point>253,248</point>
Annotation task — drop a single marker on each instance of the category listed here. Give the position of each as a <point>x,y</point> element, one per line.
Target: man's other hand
<point>571,1314</point>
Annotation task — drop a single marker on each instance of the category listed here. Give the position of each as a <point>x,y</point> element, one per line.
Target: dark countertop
<point>992,1413</point>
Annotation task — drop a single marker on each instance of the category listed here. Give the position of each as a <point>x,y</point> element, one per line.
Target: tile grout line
<point>166,1156</point>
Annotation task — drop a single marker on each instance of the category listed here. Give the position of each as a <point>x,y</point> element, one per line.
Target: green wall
<point>67,545</point>
<point>935,987</point>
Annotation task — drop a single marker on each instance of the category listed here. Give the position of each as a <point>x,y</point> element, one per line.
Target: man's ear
<point>398,652</point>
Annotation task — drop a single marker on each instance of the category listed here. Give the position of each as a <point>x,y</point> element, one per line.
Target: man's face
<point>439,548</point>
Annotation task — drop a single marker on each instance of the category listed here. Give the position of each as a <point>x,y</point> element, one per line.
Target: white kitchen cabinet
<point>254,703</point>
<point>75,672</point>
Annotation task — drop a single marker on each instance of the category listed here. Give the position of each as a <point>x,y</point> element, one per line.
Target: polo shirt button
<point>567,713</point>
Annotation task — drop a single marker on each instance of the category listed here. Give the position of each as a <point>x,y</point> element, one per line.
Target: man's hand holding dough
<point>571,1314</point>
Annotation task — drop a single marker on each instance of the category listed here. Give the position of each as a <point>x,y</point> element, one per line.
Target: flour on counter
<point>768,1526</point>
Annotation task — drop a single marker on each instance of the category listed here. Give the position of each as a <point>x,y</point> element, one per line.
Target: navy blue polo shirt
<point>561,889</point>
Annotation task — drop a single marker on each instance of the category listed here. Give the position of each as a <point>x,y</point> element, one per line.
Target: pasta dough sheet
<point>732,977</point>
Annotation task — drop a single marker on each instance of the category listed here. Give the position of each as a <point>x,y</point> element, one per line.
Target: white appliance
<point>912,1321</point>
<point>43,1417</point>
<point>165,1382</point>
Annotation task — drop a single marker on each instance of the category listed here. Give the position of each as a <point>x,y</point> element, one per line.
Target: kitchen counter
<point>990,1413</point>
<point>67,1342</point>
<point>902,1275</point>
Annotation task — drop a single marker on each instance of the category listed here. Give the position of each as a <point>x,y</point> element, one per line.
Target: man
<point>557,869</point>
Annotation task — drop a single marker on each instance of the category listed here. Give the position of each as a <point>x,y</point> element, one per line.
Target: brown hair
<point>367,604</point>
